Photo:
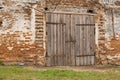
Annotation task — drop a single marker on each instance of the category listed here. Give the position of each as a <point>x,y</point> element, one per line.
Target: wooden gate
<point>70,39</point>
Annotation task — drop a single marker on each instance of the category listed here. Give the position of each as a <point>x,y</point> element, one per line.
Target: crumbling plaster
<point>108,51</point>
<point>18,32</point>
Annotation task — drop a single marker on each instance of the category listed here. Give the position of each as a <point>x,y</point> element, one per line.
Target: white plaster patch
<point>114,57</point>
<point>27,42</point>
<point>97,34</point>
<point>10,48</point>
<point>2,32</point>
<point>18,42</point>
<point>22,37</point>
<point>27,48</point>
<point>11,32</point>
<point>21,49</point>
<point>33,23</point>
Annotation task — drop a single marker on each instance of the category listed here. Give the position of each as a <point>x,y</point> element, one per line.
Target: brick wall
<point>108,50</point>
<point>21,33</point>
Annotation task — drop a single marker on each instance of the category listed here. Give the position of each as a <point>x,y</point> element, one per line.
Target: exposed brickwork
<point>18,42</point>
<point>109,34</point>
<point>40,35</point>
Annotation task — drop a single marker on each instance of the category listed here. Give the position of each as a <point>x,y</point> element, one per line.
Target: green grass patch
<point>21,73</point>
<point>1,63</point>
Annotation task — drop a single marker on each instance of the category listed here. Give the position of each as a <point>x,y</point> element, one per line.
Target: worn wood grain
<point>70,39</point>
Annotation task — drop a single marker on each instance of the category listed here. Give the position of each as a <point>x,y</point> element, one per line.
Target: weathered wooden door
<point>70,39</point>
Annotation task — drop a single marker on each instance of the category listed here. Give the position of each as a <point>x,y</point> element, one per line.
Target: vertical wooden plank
<point>69,40</point>
<point>52,37</point>
<point>57,41</point>
<point>77,38</point>
<point>73,25</point>
<point>57,37</point>
<point>85,41</point>
<point>88,40</point>
<point>63,38</point>
<point>62,33</point>
<point>60,30</point>
<point>55,27</point>
<point>49,41</point>
<point>66,39</point>
<point>72,43</point>
<point>47,59</point>
<point>56,44</point>
<point>86,18</point>
<point>93,41</point>
<point>52,41</point>
<point>60,42</point>
<point>91,35</point>
<point>82,39</point>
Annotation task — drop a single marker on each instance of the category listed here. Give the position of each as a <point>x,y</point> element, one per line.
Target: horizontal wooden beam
<point>56,23</point>
<point>85,24</point>
<point>69,13</point>
<point>84,55</point>
<point>59,55</point>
